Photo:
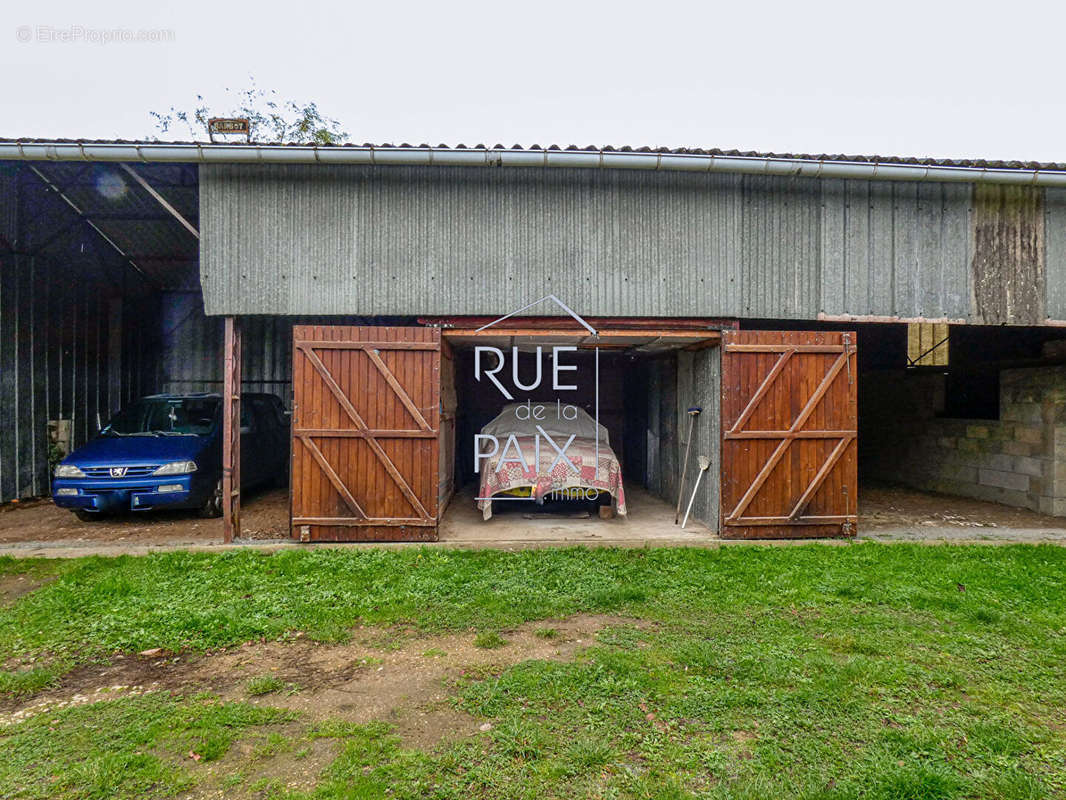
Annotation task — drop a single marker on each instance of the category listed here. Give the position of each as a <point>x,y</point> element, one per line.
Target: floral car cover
<point>581,452</point>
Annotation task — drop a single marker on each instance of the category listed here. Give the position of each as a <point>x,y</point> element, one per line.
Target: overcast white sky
<point>903,78</point>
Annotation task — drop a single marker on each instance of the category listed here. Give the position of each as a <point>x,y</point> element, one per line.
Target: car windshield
<point>174,416</point>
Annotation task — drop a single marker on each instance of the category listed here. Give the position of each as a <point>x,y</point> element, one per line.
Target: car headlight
<point>176,468</point>
<point>68,471</point>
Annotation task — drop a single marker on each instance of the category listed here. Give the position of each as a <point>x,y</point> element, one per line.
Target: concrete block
<point>1022,412</point>
<point>1001,461</point>
<point>968,445</point>
<point>977,431</point>
<point>995,494</point>
<point>1029,466</point>
<point>1031,434</point>
<point>1015,448</point>
<point>947,442</point>
<point>999,431</point>
<point>1003,480</point>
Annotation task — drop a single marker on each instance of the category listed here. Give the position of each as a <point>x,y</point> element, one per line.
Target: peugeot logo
<point>118,472</point>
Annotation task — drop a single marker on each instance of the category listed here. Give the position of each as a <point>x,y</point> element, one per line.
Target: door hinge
<point>847,355</point>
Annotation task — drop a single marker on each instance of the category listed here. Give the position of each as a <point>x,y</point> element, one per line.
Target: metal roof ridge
<point>661,159</point>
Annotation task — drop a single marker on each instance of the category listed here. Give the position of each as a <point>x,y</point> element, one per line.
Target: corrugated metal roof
<point>998,164</point>
<point>146,233</point>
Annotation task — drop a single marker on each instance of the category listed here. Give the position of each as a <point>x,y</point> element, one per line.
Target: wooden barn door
<point>365,425</point>
<point>789,426</point>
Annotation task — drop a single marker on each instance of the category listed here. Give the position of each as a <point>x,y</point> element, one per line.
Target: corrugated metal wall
<point>61,291</point>
<point>192,347</point>
<point>192,350</point>
<point>437,240</point>
<point>699,383</point>
<point>674,384</point>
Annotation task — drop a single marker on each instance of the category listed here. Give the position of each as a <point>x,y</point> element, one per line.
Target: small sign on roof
<point>236,126</point>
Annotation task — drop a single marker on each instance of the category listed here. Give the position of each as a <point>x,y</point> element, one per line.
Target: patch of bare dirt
<point>392,676</point>
<point>264,515</point>
<point>12,587</point>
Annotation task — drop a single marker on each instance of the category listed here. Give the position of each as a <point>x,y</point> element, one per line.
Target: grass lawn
<point>866,671</point>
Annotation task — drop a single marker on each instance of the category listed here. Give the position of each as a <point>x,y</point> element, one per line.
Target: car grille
<point>139,471</point>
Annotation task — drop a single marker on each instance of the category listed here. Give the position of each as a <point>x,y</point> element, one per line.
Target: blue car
<point>165,451</point>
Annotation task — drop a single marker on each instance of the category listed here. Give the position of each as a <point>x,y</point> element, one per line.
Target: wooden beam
<point>644,333</point>
<point>336,344</point>
<point>356,433</point>
<point>809,434</point>
<point>370,522</point>
<point>782,348</point>
<point>231,431</point>
<point>161,200</point>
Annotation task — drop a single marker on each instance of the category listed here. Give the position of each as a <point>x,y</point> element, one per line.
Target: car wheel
<point>88,516</point>
<point>212,506</point>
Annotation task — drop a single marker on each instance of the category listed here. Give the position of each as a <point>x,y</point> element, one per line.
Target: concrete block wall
<point>1018,460</point>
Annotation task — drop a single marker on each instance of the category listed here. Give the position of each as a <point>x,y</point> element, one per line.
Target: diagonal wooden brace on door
<point>405,398</point>
<point>819,478</point>
<point>764,387</point>
<point>331,474</point>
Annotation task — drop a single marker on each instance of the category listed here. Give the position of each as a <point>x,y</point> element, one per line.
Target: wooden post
<point>231,431</point>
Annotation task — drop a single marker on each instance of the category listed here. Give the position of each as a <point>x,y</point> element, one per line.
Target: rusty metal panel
<point>1008,254</point>
<point>365,433</point>
<point>789,434</point>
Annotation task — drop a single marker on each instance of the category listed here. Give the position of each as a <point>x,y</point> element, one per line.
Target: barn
<point>835,319</point>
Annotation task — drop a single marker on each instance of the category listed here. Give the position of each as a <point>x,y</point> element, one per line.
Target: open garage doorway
<point>626,411</point>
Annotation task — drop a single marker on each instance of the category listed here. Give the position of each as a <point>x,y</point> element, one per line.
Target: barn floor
<point>886,513</point>
<point>649,521</point>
